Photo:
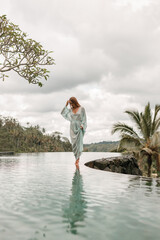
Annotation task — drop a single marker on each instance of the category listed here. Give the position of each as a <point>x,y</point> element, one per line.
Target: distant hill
<point>105,146</point>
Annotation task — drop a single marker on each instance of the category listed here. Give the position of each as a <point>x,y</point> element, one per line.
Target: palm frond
<point>148,117</point>
<point>156,111</point>
<point>135,116</point>
<point>124,128</point>
<point>157,124</point>
<point>129,141</point>
<point>147,151</point>
<point>145,128</point>
<point>155,140</point>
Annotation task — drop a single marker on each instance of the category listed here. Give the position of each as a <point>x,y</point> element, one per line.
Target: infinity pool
<point>43,196</point>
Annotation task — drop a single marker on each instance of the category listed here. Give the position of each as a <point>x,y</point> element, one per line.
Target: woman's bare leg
<point>77,162</point>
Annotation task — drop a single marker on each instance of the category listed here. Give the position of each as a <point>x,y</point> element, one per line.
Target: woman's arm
<point>66,113</point>
<point>84,120</point>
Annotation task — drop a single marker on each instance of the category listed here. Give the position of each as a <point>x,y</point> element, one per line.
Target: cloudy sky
<point>107,55</point>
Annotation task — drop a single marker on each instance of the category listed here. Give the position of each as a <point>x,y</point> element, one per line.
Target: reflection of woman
<point>78,124</point>
<point>74,212</point>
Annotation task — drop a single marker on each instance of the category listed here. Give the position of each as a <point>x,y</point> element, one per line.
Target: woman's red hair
<point>75,102</point>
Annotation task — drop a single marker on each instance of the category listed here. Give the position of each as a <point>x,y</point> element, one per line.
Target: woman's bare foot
<point>77,167</point>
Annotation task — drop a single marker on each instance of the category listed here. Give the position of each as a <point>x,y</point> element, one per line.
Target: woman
<point>78,124</point>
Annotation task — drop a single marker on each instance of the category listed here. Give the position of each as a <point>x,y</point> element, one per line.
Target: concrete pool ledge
<point>6,153</point>
<point>120,164</point>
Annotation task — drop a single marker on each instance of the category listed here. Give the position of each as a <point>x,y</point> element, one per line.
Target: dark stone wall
<point>122,164</point>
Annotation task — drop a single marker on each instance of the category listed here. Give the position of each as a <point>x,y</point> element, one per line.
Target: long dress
<point>76,133</point>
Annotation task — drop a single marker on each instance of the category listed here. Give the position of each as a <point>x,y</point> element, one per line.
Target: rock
<point>90,164</point>
<point>113,168</point>
<point>100,164</point>
<point>118,169</point>
<point>107,169</point>
<point>122,164</point>
<point>95,167</point>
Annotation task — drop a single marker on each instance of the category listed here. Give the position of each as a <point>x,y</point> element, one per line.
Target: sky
<point>107,55</point>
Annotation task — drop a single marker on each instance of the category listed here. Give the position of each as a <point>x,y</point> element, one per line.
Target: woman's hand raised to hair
<point>67,102</point>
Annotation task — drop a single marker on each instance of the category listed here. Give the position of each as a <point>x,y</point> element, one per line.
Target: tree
<point>146,139</point>
<point>21,54</point>
<point>14,137</point>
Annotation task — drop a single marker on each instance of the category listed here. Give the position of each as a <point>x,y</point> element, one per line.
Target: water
<point>43,196</point>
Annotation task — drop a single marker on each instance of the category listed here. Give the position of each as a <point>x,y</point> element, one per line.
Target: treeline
<point>14,137</point>
<point>105,146</point>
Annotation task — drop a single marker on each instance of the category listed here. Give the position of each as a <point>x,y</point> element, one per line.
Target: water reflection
<point>10,163</point>
<point>149,185</point>
<point>75,208</point>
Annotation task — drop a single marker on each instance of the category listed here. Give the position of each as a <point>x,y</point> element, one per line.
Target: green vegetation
<point>101,147</point>
<point>145,141</point>
<point>21,54</point>
<point>14,137</point>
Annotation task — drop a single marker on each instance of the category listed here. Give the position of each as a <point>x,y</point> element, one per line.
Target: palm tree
<point>146,139</point>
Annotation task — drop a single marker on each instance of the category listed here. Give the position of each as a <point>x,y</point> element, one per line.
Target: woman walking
<point>78,124</point>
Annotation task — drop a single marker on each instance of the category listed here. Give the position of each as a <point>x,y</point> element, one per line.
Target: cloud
<point>107,55</point>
